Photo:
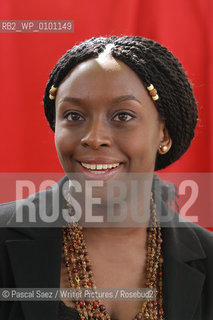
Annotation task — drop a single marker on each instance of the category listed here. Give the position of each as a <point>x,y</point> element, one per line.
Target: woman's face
<point>105,116</point>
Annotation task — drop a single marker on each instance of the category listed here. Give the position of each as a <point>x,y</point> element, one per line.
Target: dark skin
<point>101,108</point>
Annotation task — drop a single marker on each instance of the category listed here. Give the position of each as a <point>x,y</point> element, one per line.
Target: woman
<point>119,106</point>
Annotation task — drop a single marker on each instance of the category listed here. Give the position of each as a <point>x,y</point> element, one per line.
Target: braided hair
<point>154,64</point>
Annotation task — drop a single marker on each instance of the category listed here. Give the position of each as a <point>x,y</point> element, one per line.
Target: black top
<point>67,313</point>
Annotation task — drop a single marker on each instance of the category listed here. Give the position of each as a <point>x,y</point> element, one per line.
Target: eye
<point>73,116</point>
<point>124,116</point>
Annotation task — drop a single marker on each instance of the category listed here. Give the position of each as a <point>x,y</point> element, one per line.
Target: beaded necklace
<point>80,273</point>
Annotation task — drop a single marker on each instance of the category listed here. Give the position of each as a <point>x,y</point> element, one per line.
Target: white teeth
<point>98,172</point>
<point>99,166</point>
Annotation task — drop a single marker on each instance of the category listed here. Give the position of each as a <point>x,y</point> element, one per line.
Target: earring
<point>163,149</point>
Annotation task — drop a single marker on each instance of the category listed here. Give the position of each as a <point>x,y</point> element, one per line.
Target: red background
<point>26,59</point>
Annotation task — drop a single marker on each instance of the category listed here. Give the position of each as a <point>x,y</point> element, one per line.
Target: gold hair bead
<point>51,97</point>
<point>151,87</point>
<point>52,92</point>
<point>156,97</point>
<point>153,92</point>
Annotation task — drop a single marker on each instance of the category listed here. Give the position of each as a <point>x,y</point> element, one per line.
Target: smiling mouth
<point>98,168</point>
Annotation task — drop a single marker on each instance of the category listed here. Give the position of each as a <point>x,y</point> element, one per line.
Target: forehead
<point>103,79</point>
<point>104,71</point>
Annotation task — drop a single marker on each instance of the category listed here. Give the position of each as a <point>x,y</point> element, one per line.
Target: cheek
<point>63,142</point>
<point>143,145</point>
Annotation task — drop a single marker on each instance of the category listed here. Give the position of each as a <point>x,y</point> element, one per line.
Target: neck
<point>116,237</point>
<point>120,212</point>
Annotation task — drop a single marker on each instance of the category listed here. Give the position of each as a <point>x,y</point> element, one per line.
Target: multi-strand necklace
<point>80,273</point>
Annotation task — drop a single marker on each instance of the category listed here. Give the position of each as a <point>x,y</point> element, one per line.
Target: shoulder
<point>196,243</point>
<point>6,212</point>
<point>206,239</point>
<point>30,210</point>
<point>197,237</point>
<point>202,234</point>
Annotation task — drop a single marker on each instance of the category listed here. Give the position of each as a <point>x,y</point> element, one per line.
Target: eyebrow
<point>114,100</point>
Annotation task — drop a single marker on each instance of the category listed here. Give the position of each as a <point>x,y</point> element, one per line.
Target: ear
<point>165,142</point>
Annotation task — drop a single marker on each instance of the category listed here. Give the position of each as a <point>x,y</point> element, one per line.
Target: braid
<point>154,64</point>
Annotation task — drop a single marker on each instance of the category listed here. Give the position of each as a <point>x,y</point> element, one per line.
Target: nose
<point>97,135</point>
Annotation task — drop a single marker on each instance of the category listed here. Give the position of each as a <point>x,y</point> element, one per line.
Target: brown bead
<point>161,300</point>
<point>102,307</point>
<point>89,268</point>
<point>159,240</point>
<point>75,270</point>
<point>95,304</point>
<point>96,315</point>
<point>85,314</point>
<point>161,312</point>
<point>81,304</point>
<point>161,260</point>
<point>153,92</point>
